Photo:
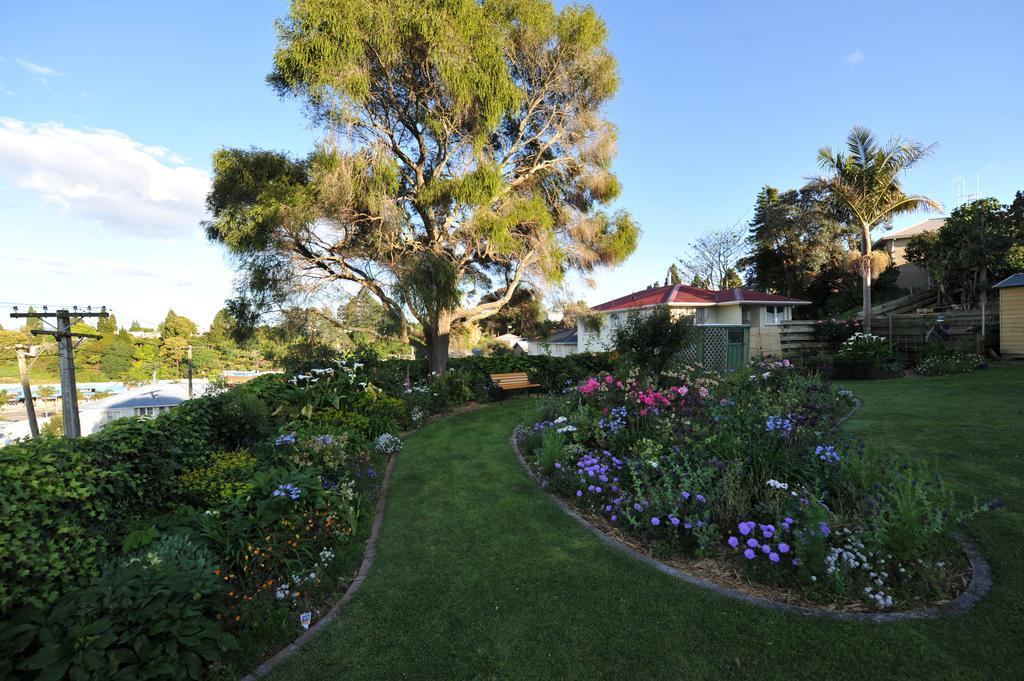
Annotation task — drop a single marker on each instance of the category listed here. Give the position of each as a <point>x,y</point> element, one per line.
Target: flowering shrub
<point>949,361</point>
<point>745,469</point>
<point>388,444</point>
<point>864,347</point>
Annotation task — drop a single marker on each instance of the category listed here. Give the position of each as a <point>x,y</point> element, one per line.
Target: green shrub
<point>148,616</point>
<point>241,419</point>
<point>53,513</point>
<point>228,475</point>
<point>652,340</point>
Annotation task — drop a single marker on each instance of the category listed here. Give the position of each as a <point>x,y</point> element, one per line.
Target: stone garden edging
<point>364,568</point>
<point>981,573</point>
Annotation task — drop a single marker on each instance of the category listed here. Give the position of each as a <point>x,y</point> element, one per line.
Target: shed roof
<point>681,294</point>
<point>1011,281</point>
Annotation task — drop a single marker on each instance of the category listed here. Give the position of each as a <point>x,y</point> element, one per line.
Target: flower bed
<point>747,473</point>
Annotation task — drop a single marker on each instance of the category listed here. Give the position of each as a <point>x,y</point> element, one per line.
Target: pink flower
<point>608,379</point>
<point>703,392</point>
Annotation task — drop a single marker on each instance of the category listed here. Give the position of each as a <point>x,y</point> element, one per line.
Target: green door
<point>736,349</point>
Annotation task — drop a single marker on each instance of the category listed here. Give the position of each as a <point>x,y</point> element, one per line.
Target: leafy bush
<point>53,516</point>
<point>653,339</point>
<point>834,332</point>
<point>147,616</point>
<point>948,360</point>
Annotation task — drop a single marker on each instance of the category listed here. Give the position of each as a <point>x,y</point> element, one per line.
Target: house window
<point>149,412</point>
<point>774,314</point>
<point>617,319</point>
<point>700,315</point>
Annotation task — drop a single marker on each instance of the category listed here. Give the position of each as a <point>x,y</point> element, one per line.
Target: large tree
<point>796,237</point>
<point>712,255</point>
<point>465,149</point>
<point>867,179</point>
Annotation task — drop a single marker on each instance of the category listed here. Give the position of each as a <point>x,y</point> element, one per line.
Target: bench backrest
<point>512,379</point>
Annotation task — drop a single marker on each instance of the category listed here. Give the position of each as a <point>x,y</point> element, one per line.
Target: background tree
<point>522,314</point>
<point>866,178</point>
<point>107,324</point>
<point>177,326</point>
<point>673,276</point>
<point>32,323</point>
<point>116,359</point>
<point>712,255</point>
<point>977,245</point>
<point>476,154</point>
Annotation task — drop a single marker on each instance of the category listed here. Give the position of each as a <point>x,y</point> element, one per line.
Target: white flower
<point>777,485</point>
<point>561,419</point>
<point>567,429</point>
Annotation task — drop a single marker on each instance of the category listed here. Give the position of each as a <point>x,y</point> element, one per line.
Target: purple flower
<point>579,493</point>
<point>746,528</point>
<point>597,489</point>
<point>734,542</point>
<point>638,507</point>
<point>590,488</point>
<point>655,521</point>
<point>701,499</point>
<point>783,547</point>
<point>796,562</point>
<point>614,518</point>
<point>766,548</point>
<point>685,495</point>
<point>773,557</point>
<point>749,553</point>
<point>687,526</point>
<point>768,532</point>
<point>752,543</point>
<point>825,529</point>
<point>674,520</point>
<point>558,465</point>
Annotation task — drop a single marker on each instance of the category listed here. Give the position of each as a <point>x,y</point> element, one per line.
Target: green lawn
<point>479,575</point>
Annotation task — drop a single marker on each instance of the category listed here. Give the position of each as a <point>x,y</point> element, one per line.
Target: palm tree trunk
<point>865,273</point>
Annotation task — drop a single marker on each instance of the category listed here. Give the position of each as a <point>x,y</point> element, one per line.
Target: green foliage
<point>652,340</point>
<point>227,476</point>
<point>177,326</point>
<point>145,617</point>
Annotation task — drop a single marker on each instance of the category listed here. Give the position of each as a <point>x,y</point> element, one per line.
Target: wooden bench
<point>506,383</point>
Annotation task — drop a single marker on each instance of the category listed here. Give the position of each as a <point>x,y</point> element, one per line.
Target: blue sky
<point>109,113</point>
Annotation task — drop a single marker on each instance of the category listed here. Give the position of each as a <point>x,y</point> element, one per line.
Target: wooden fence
<point>905,332</point>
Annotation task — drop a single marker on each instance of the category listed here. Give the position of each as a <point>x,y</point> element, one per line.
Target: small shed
<point>1011,316</point>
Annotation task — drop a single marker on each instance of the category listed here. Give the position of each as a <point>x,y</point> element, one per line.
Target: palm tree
<point>866,178</point>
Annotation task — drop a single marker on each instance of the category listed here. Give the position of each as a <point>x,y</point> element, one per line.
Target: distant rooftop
<point>681,294</point>
<point>929,225</point>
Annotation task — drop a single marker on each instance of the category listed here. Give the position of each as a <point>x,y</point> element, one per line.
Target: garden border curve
<point>981,573</point>
<point>365,564</point>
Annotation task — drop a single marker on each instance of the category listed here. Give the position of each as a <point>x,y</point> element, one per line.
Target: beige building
<point>913,277</point>
<point>1011,316</point>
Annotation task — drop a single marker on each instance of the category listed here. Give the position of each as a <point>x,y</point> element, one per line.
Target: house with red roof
<point>738,307</point>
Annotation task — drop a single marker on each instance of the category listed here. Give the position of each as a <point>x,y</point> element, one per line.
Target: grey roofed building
<point>144,401</point>
<point>912,277</point>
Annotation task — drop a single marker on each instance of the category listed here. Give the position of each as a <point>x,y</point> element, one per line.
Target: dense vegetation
<point>191,544</point>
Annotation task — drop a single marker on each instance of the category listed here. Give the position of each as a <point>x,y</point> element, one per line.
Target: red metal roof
<point>681,294</point>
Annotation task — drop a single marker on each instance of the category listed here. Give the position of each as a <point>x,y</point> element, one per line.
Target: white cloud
<point>4,91</point>
<point>855,58</point>
<point>36,69</point>
<point>106,176</point>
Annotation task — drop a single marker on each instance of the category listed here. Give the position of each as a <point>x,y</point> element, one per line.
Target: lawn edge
<point>981,573</point>
<point>365,564</point>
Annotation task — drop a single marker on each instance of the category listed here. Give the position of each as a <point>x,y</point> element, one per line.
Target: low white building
<point>739,307</point>
<point>144,401</point>
<point>559,344</point>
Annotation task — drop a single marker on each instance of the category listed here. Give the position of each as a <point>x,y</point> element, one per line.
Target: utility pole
<point>189,351</point>
<point>26,389</point>
<point>66,355</point>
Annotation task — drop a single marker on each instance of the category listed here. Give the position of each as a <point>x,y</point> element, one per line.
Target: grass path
<point>479,575</point>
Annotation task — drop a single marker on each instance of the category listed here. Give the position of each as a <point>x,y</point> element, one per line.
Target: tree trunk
<point>865,273</point>
<point>437,343</point>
